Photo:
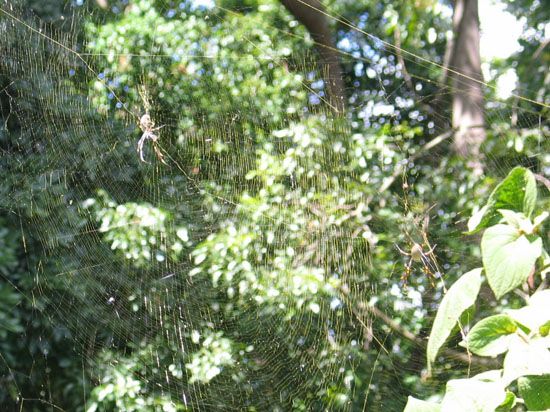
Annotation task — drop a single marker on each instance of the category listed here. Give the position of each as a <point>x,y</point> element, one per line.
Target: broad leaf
<point>461,295</point>
<point>508,257</point>
<point>539,220</point>
<point>536,314</point>
<point>491,336</point>
<point>526,357</point>
<point>517,192</point>
<point>517,220</point>
<point>509,402</point>
<point>545,264</point>
<point>474,223</point>
<point>494,375</point>
<point>417,405</point>
<point>472,395</point>
<point>535,391</point>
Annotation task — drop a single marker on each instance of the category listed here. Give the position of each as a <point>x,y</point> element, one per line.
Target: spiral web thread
<point>298,279</point>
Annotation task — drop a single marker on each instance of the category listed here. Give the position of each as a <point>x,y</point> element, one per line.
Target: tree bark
<point>466,77</point>
<point>310,14</point>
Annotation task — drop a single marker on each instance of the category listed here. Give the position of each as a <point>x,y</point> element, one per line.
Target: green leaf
<point>526,357</point>
<point>508,257</point>
<point>472,395</point>
<point>544,329</point>
<point>518,220</point>
<point>545,264</point>
<point>461,295</point>
<point>494,375</point>
<point>417,405</point>
<point>491,336</point>
<point>508,403</point>
<point>475,221</point>
<point>539,220</point>
<point>536,314</point>
<point>535,391</point>
<point>517,192</point>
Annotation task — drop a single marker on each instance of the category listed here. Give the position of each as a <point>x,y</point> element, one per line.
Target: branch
<point>400,60</point>
<point>311,14</point>
<point>543,180</point>
<point>361,311</point>
<point>449,353</point>
<point>539,50</point>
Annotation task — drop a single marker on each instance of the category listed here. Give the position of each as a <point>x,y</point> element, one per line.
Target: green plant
<point>513,254</point>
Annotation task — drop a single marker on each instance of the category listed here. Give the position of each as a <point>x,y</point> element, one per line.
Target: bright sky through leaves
<point>500,32</point>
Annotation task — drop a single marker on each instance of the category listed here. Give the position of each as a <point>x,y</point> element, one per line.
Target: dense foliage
<point>256,267</point>
<point>512,254</point>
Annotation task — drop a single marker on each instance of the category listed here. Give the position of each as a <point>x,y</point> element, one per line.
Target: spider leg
<point>152,136</point>
<point>430,268</point>
<point>429,252</point>
<point>407,272</point>
<point>140,144</point>
<point>428,261</point>
<point>159,154</point>
<point>430,274</point>
<point>402,251</point>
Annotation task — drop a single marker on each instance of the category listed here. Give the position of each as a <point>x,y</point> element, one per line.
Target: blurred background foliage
<point>258,270</point>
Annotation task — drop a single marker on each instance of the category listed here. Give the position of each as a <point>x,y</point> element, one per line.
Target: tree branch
<point>401,60</point>
<point>362,310</point>
<point>447,352</point>
<point>310,14</point>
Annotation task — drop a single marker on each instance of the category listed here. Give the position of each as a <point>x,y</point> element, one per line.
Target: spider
<point>417,254</point>
<point>147,125</point>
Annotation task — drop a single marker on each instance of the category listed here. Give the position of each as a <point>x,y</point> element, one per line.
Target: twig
<point>539,50</point>
<point>543,180</point>
<point>450,353</point>
<point>358,310</point>
<point>400,60</point>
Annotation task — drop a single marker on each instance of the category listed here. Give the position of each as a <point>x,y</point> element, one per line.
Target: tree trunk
<point>310,14</point>
<point>465,75</point>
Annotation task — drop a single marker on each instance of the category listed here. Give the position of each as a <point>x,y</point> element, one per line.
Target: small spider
<point>148,128</point>
<point>418,255</point>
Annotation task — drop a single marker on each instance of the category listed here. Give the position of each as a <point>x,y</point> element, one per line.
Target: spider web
<point>257,268</point>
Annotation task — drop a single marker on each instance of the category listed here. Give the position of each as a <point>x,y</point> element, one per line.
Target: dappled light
<point>279,205</point>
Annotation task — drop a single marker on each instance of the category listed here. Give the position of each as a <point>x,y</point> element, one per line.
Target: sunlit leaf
<point>508,257</point>
<point>536,313</point>
<point>526,357</point>
<point>472,395</point>
<point>517,192</point>
<point>417,405</point>
<point>491,336</point>
<point>509,402</point>
<point>459,297</point>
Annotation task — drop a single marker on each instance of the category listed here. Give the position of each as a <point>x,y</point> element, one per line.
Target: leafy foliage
<point>520,334</point>
<point>458,298</point>
<point>267,246</point>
